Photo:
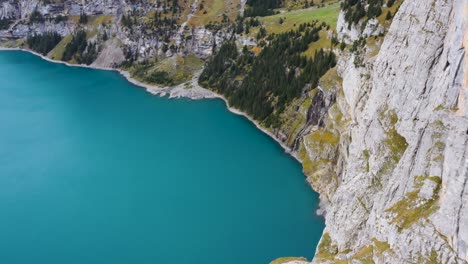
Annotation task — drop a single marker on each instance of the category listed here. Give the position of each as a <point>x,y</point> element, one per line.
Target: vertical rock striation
<point>402,196</point>
<point>383,139</point>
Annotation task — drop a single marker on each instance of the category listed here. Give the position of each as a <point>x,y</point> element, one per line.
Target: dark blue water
<point>96,170</point>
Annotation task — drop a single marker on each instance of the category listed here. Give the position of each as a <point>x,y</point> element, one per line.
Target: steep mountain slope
<point>401,196</point>
<point>382,135</point>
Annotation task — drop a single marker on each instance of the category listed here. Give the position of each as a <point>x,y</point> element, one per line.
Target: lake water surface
<point>96,170</point>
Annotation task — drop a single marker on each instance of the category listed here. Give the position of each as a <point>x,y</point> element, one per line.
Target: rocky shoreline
<point>191,90</point>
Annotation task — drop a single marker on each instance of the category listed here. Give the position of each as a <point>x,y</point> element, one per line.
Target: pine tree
<point>389,15</point>
<point>83,18</point>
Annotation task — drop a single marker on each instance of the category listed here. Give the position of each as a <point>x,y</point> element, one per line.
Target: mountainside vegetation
<point>4,23</point>
<point>263,84</point>
<point>43,43</point>
<point>261,7</point>
<point>80,50</point>
<point>357,11</point>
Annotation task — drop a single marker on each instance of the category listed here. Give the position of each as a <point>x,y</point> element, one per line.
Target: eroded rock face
<point>349,33</point>
<point>9,9</point>
<point>402,196</point>
<point>385,144</point>
<point>142,39</point>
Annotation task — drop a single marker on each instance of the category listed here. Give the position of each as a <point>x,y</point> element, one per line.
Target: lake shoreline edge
<point>165,91</point>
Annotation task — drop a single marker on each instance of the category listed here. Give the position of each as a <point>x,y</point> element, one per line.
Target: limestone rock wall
<point>402,194</point>
<point>141,39</point>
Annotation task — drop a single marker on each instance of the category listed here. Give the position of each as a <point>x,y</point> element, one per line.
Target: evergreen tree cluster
<point>263,85</point>
<point>43,43</point>
<point>161,25</point>
<point>261,7</point>
<point>128,21</point>
<point>244,25</point>
<point>144,71</point>
<point>355,10</point>
<point>130,57</point>
<point>80,49</point>
<point>5,23</point>
<point>36,17</point>
<point>83,18</point>
<point>59,18</point>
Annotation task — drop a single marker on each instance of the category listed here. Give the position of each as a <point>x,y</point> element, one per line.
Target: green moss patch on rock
<point>394,142</point>
<point>294,117</point>
<point>320,173</point>
<point>287,259</point>
<point>326,250</point>
<point>381,246</point>
<point>366,155</point>
<point>365,254</point>
<point>413,207</point>
<point>320,140</point>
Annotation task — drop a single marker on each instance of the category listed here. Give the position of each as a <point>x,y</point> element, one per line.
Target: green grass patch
<point>433,258</point>
<point>396,143</point>
<point>392,9</point>
<point>324,42</point>
<point>57,52</point>
<point>325,250</point>
<point>365,254</point>
<point>373,44</point>
<point>413,208</point>
<point>167,72</point>
<point>319,171</point>
<point>213,11</point>
<point>297,4</point>
<point>13,43</point>
<point>100,20</point>
<point>287,259</point>
<point>323,136</point>
<point>330,79</point>
<point>366,155</point>
<point>439,108</point>
<point>381,246</point>
<point>296,126</point>
<point>291,20</point>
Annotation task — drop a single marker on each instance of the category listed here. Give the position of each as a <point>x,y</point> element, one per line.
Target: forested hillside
<point>262,85</point>
<point>367,94</point>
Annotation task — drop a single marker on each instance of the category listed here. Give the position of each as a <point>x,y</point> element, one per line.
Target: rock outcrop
<point>402,195</point>
<point>141,39</point>
<point>384,138</point>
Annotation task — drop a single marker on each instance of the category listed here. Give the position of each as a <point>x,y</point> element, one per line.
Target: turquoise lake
<point>96,170</point>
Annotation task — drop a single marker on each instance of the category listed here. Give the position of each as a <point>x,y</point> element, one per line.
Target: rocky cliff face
<point>401,192</point>
<point>141,39</point>
<point>383,139</point>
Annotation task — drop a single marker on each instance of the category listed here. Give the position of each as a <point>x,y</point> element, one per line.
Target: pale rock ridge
<point>110,56</point>
<point>350,33</point>
<point>198,41</point>
<point>395,189</point>
<point>9,9</point>
<point>402,196</point>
